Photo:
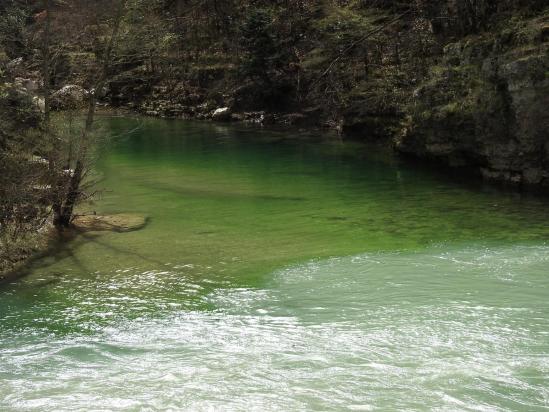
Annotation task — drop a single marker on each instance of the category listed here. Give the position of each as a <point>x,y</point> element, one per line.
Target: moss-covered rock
<point>485,107</point>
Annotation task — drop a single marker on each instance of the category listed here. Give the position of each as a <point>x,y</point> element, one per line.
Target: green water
<point>283,271</point>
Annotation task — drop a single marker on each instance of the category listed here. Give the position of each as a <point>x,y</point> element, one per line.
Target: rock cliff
<point>486,107</point>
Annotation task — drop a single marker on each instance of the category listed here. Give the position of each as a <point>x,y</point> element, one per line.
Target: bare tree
<point>71,147</point>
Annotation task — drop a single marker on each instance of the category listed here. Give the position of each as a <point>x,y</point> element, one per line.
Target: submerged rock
<point>123,222</point>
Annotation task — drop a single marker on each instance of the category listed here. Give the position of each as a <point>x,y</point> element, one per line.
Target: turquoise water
<point>283,271</point>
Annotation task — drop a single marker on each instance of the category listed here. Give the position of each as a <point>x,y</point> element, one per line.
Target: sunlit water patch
<point>443,329</point>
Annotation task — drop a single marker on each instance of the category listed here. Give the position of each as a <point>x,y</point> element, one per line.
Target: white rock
<point>222,113</point>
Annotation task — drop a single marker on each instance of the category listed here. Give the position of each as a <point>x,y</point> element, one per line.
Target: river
<point>283,271</point>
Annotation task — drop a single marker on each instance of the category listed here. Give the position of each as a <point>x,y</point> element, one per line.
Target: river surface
<point>281,271</point>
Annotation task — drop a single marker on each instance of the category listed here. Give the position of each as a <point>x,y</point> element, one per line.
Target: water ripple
<point>397,331</point>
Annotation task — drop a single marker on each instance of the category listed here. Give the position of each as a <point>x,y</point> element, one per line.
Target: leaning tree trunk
<point>63,213</point>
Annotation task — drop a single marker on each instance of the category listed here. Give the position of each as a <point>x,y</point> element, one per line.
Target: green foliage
<point>17,113</point>
<point>266,59</point>
<point>343,25</point>
<point>259,44</point>
<point>13,17</point>
<point>146,37</point>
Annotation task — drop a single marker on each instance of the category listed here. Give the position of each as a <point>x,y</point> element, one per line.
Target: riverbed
<point>283,270</point>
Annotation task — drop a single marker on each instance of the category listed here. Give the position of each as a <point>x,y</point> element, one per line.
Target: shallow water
<point>283,271</point>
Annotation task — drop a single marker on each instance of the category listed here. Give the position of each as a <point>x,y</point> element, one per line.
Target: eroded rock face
<point>485,108</point>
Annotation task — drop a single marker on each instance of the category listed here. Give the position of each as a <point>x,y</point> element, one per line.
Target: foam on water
<point>438,330</point>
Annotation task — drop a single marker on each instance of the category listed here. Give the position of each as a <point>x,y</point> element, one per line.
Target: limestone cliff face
<point>486,107</point>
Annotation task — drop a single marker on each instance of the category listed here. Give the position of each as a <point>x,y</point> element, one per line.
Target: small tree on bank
<point>72,146</point>
<point>47,34</point>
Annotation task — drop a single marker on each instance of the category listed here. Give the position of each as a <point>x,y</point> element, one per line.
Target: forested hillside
<point>461,82</point>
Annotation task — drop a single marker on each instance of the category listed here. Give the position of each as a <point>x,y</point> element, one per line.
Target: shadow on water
<point>470,178</point>
<point>96,239</point>
<point>194,193</point>
<point>57,243</point>
<point>63,245</point>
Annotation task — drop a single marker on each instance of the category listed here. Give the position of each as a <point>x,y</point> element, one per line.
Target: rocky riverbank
<point>481,105</point>
<point>485,107</point>
<point>16,259</point>
<point>475,99</point>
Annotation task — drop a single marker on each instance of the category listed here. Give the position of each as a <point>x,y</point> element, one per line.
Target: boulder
<point>70,96</point>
